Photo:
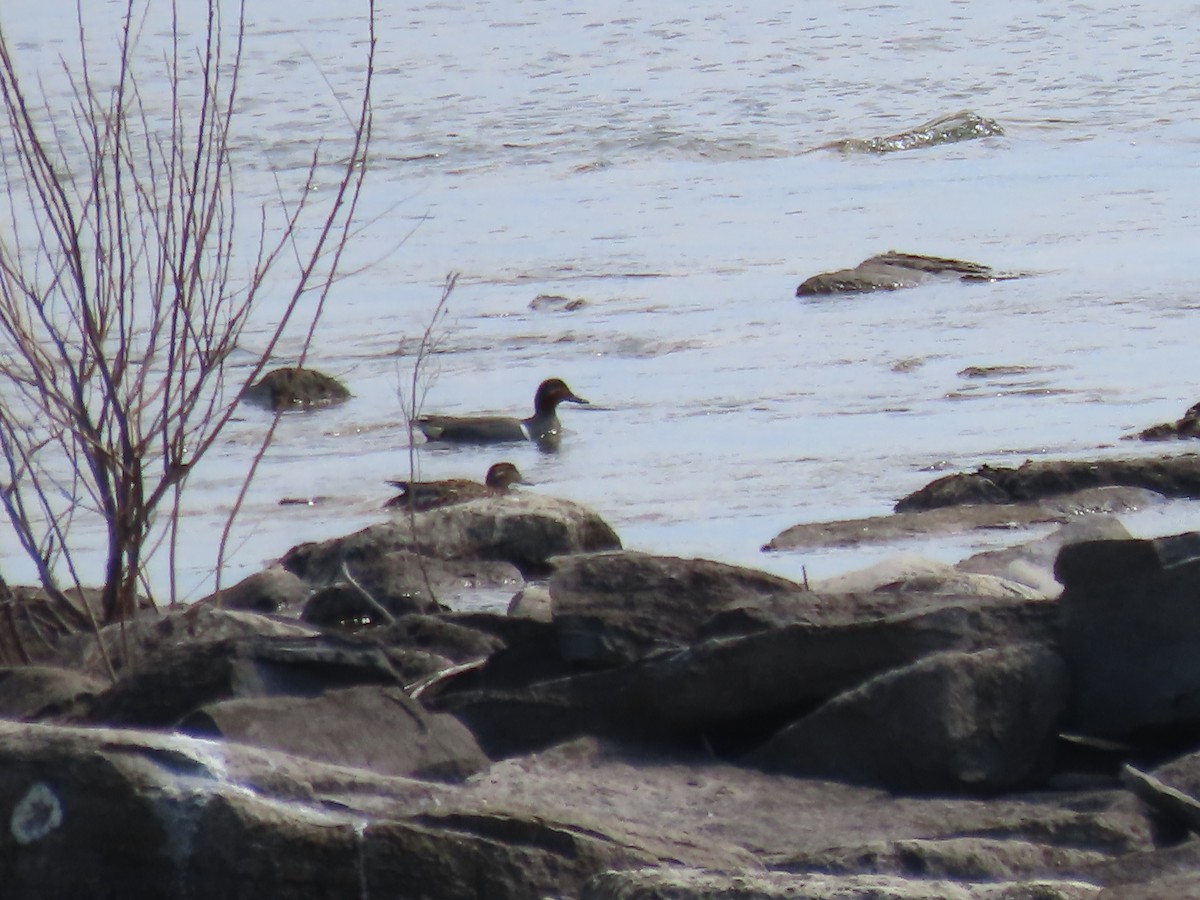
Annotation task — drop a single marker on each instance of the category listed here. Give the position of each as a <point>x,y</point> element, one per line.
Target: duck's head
<point>502,475</point>
<point>552,392</point>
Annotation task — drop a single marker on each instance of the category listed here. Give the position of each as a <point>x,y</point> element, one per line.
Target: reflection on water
<point>542,149</point>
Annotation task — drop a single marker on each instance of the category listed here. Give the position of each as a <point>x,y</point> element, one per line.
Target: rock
<point>729,690</point>
<point>1131,633</point>
<point>959,126</point>
<point>891,271</point>
<point>1032,563</point>
<point>36,623</point>
<point>1170,476</point>
<point>557,303</point>
<point>698,884</point>
<point>152,815</point>
<point>1188,426</point>
<point>532,602</point>
<point>460,856</point>
<point>958,858</point>
<point>523,530</point>
<point>1184,886</point>
<point>156,633</point>
<point>1167,804</point>
<point>1146,867</point>
<point>910,574</point>
<point>370,583</point>
<point>295,388</point>
<point>268,591</point>
<point>164,689</point>
<point>367,727</point>
<point>458,639</point>
<point>954,721</point>
<point>698,811</point>
<point>40,692</point>
<point>957,519</point>
<point>618,607</point>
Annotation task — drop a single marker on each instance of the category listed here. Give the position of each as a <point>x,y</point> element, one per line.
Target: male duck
<point>542,427</point>
<point>423,495</point>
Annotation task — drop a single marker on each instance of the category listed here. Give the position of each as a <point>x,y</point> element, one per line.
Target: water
<point>652,164</point>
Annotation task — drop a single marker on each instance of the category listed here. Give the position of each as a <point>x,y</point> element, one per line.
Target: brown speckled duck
<point>423,495</point>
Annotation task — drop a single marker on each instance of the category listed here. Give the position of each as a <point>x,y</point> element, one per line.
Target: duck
<point>423,495</point>
<point>542,427</point>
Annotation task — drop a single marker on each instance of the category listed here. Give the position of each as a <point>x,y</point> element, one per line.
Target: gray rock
<point>891,271</point>
<point>1180,886</point>
<point>525,530</point>
<point>155,633</point>
<point>1032,563</point>
<point>367,727</point>
<point>618,607</point>
<point>1131,632</point>
<point>1170,476</point>
<point>295,388</point>
<point>959,126</point>
<point>698,884</point>
<point>269,591</point>
<point>532,602</point>
<point>1187,426</point>
<point>916,575</point>
<point>153,816</point>
<point>163,689</point>
<point>981,721</point>
<point>958,858</point>
<point>373,587</point>
<point>38,692</point>
<point>727,689</point>
<point>958,519</point>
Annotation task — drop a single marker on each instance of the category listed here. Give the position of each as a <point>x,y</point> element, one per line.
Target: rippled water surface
<point>655,166</point>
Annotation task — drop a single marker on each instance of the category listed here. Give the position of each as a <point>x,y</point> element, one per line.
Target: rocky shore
<point>1022,725</point>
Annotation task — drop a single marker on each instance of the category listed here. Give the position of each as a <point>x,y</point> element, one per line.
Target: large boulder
<point>733,688</point>
<point>524,530</point>
<point>153,633</point>
<point>367,727</point>
<point>152,816</point>
<point>617,607</point>
<point>1131,633</point>
<point>163,689</point>
<point>977,722</point>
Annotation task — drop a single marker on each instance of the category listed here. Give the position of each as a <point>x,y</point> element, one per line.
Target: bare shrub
<point>123,290</point>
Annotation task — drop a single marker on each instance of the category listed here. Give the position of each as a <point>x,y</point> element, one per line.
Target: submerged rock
<point>1188,426</point>
<point>946,518</point>
<point>295,388</point>
<point>959,126</point>
<point>892,271</point>
<point>1170,476</point>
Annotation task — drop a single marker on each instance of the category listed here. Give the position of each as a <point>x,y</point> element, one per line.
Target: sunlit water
<point>653,164</point>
